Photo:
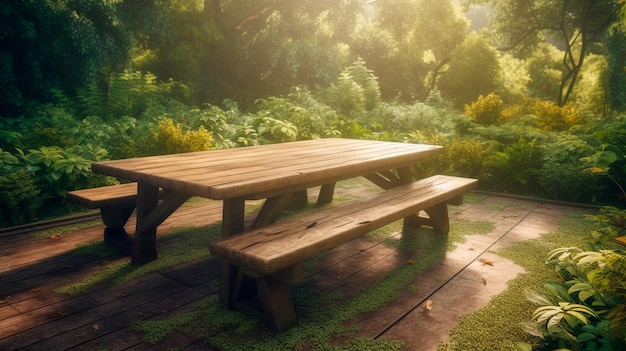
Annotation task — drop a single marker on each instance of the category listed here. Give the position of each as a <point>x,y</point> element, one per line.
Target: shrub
<point>553,117</point>
<point>562,175</point>
<point>462,157</point>
<point>170,138</point>
<point>486,110</point>
<point>19,198</point>
<point>515,167</point>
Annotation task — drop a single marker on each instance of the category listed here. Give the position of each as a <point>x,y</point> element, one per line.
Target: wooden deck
<point>34,317</point>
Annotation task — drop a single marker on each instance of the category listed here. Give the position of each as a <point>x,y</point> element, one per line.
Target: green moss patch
<point>502,322</point>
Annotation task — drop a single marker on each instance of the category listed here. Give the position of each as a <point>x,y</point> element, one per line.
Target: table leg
<point>233,216</point>
<point>144,245</point>
<point>326,194</point>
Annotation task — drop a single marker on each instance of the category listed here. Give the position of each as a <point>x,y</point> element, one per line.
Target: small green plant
<point>586,310</point>
<point>600,163</point>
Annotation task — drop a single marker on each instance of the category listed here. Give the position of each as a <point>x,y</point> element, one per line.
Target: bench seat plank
<point>113,195</point>
<point>274,247</point>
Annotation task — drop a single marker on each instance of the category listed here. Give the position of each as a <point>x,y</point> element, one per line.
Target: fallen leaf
<point>5,300</point>
<point>410,261</point>
<point>486,261</point>
<point>121,295</point>
<point>36,289</point>
<point>427,305</point>
<point>484,281</point>
<point>56,236</point>
<point>95,327</point>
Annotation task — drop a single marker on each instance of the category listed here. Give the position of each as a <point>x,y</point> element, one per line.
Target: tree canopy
<point>243,50</point>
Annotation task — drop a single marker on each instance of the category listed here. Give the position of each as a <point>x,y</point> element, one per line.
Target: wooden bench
<point>116,204</point>
<point>261,263</point>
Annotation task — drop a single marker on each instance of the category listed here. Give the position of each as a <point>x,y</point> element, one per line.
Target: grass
<point>190,245</point>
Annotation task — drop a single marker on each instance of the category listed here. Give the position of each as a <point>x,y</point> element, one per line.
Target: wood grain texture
<point>268,170</point>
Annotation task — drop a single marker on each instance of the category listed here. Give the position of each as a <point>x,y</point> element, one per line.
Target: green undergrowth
<point>321,316</point>
<point>182,244</point>
<point>66,229</point>
<point>503,321</point>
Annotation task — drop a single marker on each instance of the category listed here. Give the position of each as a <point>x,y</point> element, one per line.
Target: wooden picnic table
<point>273,172</point>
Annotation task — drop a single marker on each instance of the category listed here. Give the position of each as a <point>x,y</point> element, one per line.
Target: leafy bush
<point>586,309</point>
<point>486,110</point>
<point>355,91</point>
<point>310,124</point>
<point>170,138</point>
<point>462,157</point>
<point>562,175</point>
<point>19,200</point>
<point>515,168</point>
<point>553,117</point>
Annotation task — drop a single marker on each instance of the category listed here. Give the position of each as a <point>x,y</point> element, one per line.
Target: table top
<point>261,171</point>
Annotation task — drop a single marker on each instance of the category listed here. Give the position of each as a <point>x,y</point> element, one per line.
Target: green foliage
<point>462,157</point>
<point>19,198</point>
<point>561,174</point>
<point>486,110</point>
<point>312,119</point>
<point>515,167</point>
<point>586,310</point>
<point>355,91</point>
<point>58,45</point>
<point>473,63</point>
<point>553,117</point>
<point>169,137</point>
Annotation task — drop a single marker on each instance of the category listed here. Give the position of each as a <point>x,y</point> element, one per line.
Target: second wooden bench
<point>264,261</point>
<point>116,204</point>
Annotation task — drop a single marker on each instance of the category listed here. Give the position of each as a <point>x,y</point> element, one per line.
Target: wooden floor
<point>34,317</point>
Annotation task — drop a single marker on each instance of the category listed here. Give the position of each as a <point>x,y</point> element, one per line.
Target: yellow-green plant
<point>171,138</point>
<point>486,110</point>
<point>553,117</point>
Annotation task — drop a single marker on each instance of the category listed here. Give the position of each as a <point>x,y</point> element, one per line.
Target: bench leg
<point>439,218</point>
<point>276,302</point>
<point>264,297</point>
<point>114,219</point>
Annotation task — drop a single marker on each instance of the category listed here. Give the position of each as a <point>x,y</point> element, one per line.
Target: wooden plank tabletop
<point>259,171</point>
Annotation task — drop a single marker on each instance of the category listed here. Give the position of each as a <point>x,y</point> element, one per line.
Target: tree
<point>49,46</point>
<point>412,43</point>
<point>473,71</point>
<point>578,26</point>
<point>244,49</point>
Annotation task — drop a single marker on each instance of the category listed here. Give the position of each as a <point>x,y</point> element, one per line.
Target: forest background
<point>527,96</point>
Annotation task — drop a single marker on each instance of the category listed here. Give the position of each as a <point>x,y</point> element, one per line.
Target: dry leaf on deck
<point>95,327</point>
<point>486,261</point>
<point>427,305</point>
<point>56,236</point>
